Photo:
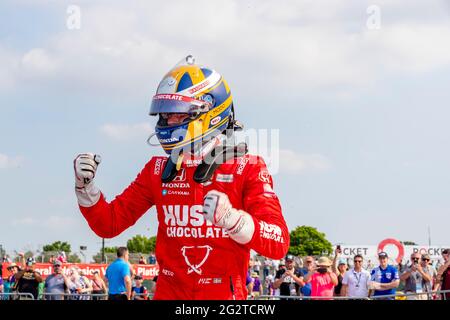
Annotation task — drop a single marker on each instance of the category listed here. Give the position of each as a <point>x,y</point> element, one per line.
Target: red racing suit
<point>198,260</point>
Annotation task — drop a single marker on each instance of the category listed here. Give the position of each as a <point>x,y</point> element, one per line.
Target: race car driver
<point>214,201</point>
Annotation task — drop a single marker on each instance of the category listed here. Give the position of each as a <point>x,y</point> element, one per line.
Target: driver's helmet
<point>199,98</point>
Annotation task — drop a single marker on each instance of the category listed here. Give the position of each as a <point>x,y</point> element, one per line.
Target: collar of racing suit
<point>215,152</point>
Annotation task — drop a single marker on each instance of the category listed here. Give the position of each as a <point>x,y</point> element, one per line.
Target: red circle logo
<point>398,244</point>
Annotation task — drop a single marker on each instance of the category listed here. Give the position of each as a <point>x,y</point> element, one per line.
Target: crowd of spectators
<point>120,283</point>
<point>292,277</point>
<point>321,278</point>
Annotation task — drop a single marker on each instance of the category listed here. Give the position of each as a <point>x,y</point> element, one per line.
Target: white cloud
<point>7,162</point>
<point>23,221</point>
<point>50,222</point>
<point>288,48</point>
<point>58,222</point>
<point>37,61</point>
<point>294,163</point>
<point>126,132</point>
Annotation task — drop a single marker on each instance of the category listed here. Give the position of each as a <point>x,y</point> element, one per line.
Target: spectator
<point>257,286</point>
<point>79,285</point>
<point>384,278</point>
<point>339,270</point>
<point>248,280</point>
<point>428,266</point>
<point>443,275</point>
<point>257,265</point>
<point>1,288</point>
<point>306,289</point>
<point>141,260</point>
<point>280,266</point>
<point>270,290</point>
<point>28,280</point>
<point>52,259</point>
<point>56,284</point>
<point>152,258</point>
<point>118,275</point>
<point>288,279</point>
<point>6,259</point>
<point>267,266</point>
<point>155,279</point>
<point>322,279</point>
<point>10,286</point>
<point>356,281</point>
<point>62,257</point>
<point>98,286</point>
<point>417,278</point>
<point>139,292</point>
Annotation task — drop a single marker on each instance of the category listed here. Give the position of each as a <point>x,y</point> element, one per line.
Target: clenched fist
<point>85,166</point>
<point>217,208</point>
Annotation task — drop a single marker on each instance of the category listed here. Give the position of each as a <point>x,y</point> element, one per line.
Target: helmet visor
<point>175,103</point>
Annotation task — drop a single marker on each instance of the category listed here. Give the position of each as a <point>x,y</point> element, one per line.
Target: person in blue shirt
<point>305,290</point>
<point>384,278</point>
<point>118,275</point>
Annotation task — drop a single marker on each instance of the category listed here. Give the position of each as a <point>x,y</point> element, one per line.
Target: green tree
<point>308,241</point>
<point>110,255</point>
<point>57,246</point>
<point>141,244</point>
<point>73,258</point>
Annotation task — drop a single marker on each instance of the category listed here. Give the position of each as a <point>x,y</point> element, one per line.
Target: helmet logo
<point>208,98</point>
<point>215,120</point>
<point>171,81</point>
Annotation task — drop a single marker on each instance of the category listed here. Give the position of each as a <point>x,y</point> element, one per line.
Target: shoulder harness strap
<point>212,161</point>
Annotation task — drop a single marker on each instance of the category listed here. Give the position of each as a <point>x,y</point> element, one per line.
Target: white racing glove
<point>218,209</point>
<point>85,166</point>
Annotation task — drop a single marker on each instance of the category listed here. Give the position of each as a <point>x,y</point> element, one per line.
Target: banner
<point>396,251</point>
<point>148,271</point>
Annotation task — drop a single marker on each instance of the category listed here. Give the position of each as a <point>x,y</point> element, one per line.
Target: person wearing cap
<point>257,286</point>
<point>384,278</point>
<point>322,279</point>
<point>356,281</point>
<point>28,280</point>
<point>138,291</point>
<point>56,284</point>
<point>443,275</point>
<point>288,279</point>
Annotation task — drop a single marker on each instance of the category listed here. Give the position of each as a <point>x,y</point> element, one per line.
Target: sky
<point>357,92</point>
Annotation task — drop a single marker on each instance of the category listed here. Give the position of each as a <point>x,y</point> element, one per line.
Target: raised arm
<point>108,220</point>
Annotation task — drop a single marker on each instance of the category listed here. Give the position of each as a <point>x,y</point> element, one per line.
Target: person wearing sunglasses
<point>417,278</point>
<point>56,284</point>
<point>215,202</point>
<point>355,283</point>
<point>309,262</point>
<point>443,275</point>
<point>384,279</point>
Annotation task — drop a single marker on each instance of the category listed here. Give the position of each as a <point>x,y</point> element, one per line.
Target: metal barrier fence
<point>439,295</point>
<point>16,296</point>
<point>85,296</point>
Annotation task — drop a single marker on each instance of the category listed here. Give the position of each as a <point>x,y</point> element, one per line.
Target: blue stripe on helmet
<point>206,72</point>
<point>185,82</point>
